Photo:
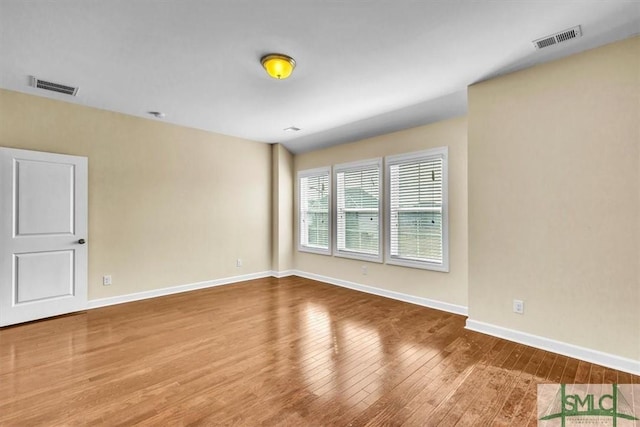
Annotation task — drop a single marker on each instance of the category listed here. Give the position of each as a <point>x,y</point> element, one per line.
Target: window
<point>314,208</point>
<point>358,210</point>
<point>417,221</point>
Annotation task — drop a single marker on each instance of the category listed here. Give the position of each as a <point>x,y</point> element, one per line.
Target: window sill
<point>358,256</point>
<point>443,268</point>
<point>312,250</point>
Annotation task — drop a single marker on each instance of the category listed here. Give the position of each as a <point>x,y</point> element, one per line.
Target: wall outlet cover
<point>518,306</point>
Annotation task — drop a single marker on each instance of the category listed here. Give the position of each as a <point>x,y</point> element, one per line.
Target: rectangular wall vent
<point>53,87</point>
<point>556,38</point>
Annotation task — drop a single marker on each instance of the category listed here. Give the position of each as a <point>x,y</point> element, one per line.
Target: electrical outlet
<point>238,262</point>
<point>106,280</point>
<point>364,270</point>
<point>518,306</point>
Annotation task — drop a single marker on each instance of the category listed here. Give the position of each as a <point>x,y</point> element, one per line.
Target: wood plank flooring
<point>273,352</point>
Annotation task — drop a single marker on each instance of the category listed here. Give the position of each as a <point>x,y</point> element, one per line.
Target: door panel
<point>43,275</point>
<point>45,198</point>
<point>43,217</point>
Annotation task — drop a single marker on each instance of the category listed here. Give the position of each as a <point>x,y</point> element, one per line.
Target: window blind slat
<point>358,210</point>
<point>314,211</point>
<point>416,198</point>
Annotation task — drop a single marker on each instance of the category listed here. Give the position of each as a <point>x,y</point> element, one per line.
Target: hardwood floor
<point>273,352</point>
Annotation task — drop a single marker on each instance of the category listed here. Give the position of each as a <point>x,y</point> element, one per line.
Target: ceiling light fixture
<point>291,129</point>
<point>157,114</point>
<point>277,65</point>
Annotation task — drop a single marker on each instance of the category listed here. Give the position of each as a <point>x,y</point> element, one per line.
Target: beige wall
<point>554,188</point>
<point>282,206</point>
<point>167,205</point>
<point>445,287</point>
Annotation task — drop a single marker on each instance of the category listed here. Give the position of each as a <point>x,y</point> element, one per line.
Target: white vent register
<point>556,38</point>
<point>54,87</point>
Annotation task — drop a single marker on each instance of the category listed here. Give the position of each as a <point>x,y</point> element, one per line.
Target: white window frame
<point>352,167</point>
<point>442,152</point>
<point>305,174</point>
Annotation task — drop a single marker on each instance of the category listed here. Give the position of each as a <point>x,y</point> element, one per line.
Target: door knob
<point>82,241</point>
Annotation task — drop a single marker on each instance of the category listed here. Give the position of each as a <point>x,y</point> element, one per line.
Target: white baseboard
<point>588,355</point>
<point>284,273</point>
<point>121,299</point>
<point>425,302</point>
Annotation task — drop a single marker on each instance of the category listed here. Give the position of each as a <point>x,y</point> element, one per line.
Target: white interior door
<point>43,232</point>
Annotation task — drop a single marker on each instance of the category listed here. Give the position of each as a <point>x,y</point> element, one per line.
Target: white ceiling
<point>365,67</point>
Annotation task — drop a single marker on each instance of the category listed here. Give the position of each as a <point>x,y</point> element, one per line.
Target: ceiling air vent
<point>556,38</point>
<point>54,87</point>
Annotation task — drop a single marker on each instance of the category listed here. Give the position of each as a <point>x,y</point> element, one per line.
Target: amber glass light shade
<point>278,66</point>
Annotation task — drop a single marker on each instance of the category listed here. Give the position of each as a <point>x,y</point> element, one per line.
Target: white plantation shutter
<point>358,209</point>
<point>314,213</point>
<point>417,208</point>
